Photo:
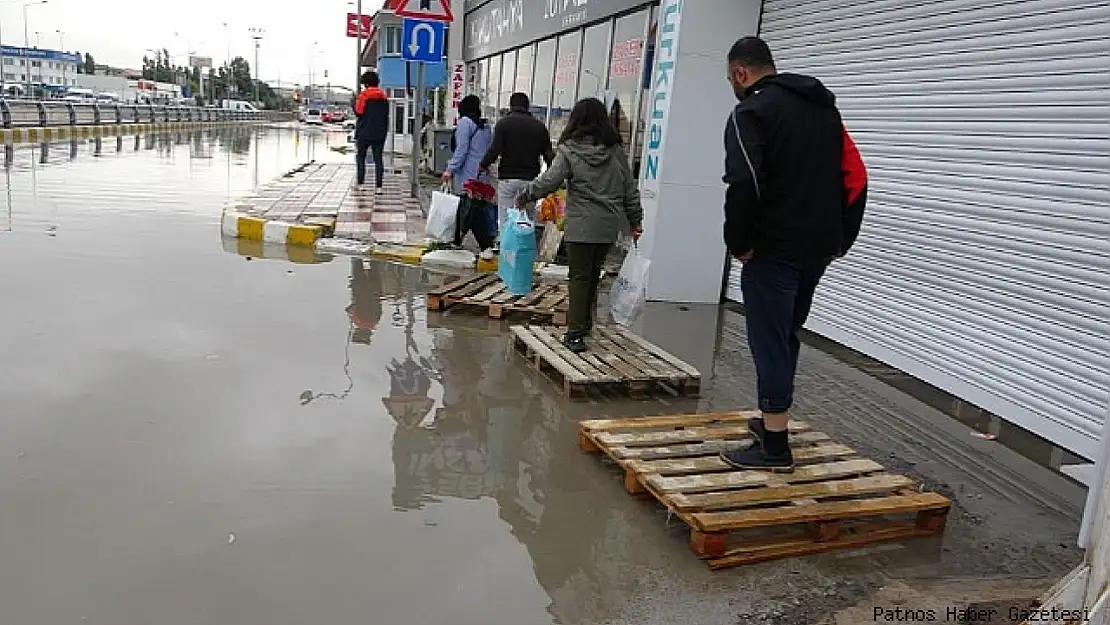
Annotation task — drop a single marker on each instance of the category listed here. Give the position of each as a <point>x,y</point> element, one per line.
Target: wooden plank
<point>589,371</point>
<point>637,366</point>
<point>711,464</point>
<point>475,287</point>
<point>525,335</point>
<point>709,418</point>
<point>824,511</point>
<point>658,366</point>
<point>444,288</point>
<point>671,359</point>
<point>536,294</point>
<point>747,479</point>
<point>774,549</point>
<point>869,485</point>
<point>686,435</point>
<point>713,447</point>
<point>486,293</point>
<point>628,373</point>
<point>551,299</point>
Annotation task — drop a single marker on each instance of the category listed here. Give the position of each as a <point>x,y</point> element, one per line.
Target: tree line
<point>232,81</point>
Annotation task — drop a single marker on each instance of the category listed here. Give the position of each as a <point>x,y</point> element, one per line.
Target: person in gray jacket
<point>600,190</point>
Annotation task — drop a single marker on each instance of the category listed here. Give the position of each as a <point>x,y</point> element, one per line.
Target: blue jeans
<point>777,297</point>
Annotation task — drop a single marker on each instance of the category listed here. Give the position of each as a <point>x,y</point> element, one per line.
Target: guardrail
<point>31,113</point>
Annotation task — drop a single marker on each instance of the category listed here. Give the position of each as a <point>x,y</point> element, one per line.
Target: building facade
<point>982,266</point>
<point>50,70</point>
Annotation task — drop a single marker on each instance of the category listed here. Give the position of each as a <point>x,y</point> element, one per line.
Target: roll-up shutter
<point>982,267</point>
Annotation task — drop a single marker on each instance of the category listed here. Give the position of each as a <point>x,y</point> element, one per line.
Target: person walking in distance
<point>795,201</point>
<point>600,190</point>
<point>371,128</point>
<point>519,142</point>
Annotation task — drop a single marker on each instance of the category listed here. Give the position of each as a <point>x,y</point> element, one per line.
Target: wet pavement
<point>189,436</point>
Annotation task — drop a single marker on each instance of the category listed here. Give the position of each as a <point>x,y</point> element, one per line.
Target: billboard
<point>352,25</point>
<point>202,62</point>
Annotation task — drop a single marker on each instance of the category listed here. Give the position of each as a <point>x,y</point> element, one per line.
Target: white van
<point>238,105</point>
<point>313,116</point>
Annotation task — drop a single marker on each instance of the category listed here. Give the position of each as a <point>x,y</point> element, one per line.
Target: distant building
<point>48,70</point>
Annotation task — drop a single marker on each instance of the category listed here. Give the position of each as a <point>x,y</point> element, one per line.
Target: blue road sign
<point>422,40</point>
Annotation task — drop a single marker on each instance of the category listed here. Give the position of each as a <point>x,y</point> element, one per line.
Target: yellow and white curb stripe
<point>242,226</point>
<point>410,254</point>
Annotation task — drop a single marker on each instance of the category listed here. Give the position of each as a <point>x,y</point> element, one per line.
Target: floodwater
<point>192,436</point>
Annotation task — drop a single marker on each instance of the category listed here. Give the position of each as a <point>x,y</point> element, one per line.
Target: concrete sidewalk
<point>317,200</point>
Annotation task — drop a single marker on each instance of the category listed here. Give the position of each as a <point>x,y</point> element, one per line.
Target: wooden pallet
<point>616,359</point>
<point>833,500</point>
<point>547,302</point>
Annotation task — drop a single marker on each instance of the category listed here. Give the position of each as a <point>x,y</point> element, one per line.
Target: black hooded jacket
<point>796,184</point>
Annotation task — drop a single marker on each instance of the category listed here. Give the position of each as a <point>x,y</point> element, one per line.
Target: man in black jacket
<point>520,141</point>
<point>371,128</point>
<point>795,198</point>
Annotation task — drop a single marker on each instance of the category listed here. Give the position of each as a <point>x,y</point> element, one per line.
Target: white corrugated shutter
<point>982,267</point>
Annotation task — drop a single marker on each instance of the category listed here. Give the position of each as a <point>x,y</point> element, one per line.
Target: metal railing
<point>32,113</point>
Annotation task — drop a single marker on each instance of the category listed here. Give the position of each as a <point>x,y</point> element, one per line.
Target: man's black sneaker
<point>754,458</point>
<point>576,344</point>
<point>757,428</point>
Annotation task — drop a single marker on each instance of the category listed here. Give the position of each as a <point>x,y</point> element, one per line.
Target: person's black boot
<point>754,457</point>
<point>575,343</point>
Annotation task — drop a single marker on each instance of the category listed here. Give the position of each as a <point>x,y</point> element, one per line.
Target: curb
<point>242,226</point>
<point>410,254</point>
<point>36,134</point>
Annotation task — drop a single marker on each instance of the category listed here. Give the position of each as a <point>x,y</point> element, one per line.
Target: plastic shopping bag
<point>441,217</point>
<point>518,252</point>
<point>626,300</point>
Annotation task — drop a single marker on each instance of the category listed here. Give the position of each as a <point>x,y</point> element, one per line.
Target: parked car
<point>312,116</point>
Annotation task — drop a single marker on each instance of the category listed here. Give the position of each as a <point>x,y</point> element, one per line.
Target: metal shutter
<point>983,263</point>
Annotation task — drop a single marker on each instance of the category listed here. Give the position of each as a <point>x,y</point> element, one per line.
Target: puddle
<point>162,395</point>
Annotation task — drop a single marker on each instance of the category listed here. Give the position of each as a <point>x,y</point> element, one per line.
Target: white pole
<point>417,114</point>
<point>358,47</point>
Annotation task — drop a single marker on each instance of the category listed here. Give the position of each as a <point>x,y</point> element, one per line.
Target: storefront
<point>981,268</point>
<point>558,53</point>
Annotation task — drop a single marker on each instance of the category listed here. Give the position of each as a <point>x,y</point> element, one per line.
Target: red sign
<point>352,25</point>
<point>435,10</point>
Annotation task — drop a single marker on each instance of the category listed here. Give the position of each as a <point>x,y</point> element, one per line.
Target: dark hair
<point>471,107</point>
<point>519,101</point>
<point>589,119</point>
<point>370,79</point>
<point>751,52</point>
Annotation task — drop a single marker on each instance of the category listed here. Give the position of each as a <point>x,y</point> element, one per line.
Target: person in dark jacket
<point>601,191</point>
<point>519,141</point>
<point>796,193</point>
<point>371,128</point>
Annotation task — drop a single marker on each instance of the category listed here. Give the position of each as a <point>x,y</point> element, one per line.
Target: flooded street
<point>192,436</point>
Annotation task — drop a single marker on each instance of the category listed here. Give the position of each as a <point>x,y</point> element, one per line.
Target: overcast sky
<point>118,32</point>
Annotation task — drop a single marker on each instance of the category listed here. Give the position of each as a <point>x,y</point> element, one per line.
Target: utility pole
<point>358,48</point>
<point>256,34</point>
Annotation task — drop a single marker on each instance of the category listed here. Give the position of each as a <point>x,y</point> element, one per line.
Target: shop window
<point>482,81</point>
<point>645,90</point>
<point>523,81</point>
<point>626,61</point>
<point>493,88</point>
<point>595,45</point>
<point>508,82</point>
<point>566,81</point>
<point>541,83</point>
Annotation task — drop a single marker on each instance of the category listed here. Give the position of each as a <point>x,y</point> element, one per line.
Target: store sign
<point>625,61</point>
<point>40,54</point>
<point>662,86</point>
<point>503,24</point>
<point>458,84</point>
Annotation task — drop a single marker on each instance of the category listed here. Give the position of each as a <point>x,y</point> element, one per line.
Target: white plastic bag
<point>442,217</point>
<point>626,300</point>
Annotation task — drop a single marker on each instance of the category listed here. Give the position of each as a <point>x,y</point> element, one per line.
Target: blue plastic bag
<point>518,252</point>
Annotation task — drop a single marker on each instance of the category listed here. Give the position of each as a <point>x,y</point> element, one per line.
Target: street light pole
<point>27,42</point>
<point>358,48</point>
<point>62,46</point>
<point>256,34</point>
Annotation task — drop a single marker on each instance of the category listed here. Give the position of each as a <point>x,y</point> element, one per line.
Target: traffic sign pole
<point>417,122</point>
